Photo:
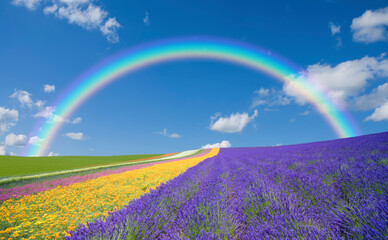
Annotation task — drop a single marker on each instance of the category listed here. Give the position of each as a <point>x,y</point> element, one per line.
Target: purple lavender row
<point>27,189</point>
<point>325,190</point>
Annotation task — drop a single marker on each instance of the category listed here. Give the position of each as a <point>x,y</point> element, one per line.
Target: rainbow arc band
<point>180,49</point>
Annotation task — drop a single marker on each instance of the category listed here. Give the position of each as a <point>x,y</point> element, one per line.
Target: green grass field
<point>18,166</point>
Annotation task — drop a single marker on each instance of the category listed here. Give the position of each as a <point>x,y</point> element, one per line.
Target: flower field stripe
<point>27,189</point>
<point>35,176</point>
<point>47,215</point>
<point>182,154</point>
<point>326,190</point>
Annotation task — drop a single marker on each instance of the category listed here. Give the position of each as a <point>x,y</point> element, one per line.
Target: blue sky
<point>175,106</point>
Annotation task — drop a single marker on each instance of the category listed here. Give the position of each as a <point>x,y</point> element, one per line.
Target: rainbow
<point>190,48</point>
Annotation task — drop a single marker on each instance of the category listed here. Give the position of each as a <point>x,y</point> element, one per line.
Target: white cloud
<point>29,4</point>
<point>90,17</point>
<point>49,88</point>
<point>174,135</point>
<point>371,26</point>
<point>23,97</point>
<point>380,113</point>
<point>76,120</point>
<point>3,150</point>
<point>235,123</point>
<point>36,140</point>
<point>8,117</point>
<point>76,136</point>
<point>50,9</point>
<point>40,103</point>
<point>39,142</point>
<point>223,144</point>
<point>47,112</point>
<point>376,98</point>
<point>16,140</point>
<point>269,97</point>
<point>146,19</point>
<point>86,15</point>
<point>170,135</point>
<point>347,79</point>
<point>53,154</point>
<point>109,29</point>
<point>335,29</point>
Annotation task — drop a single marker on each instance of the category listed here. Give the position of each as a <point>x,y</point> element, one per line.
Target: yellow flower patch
<point>48,214</point>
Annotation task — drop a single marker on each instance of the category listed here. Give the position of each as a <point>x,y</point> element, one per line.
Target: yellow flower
<point>48,214</point>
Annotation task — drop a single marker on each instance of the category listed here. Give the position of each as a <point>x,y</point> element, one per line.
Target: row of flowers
<point>50,213</point>
<point>326,190</point>
<point>40,186</point>
<point>79,170</point>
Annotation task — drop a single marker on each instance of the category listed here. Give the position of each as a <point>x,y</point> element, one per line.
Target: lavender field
<point>325,190</point>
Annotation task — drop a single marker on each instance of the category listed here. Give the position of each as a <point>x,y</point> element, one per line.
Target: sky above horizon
<point>181,105</point>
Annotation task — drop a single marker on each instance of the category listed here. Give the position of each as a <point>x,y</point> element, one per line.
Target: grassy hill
<point>16,166</point>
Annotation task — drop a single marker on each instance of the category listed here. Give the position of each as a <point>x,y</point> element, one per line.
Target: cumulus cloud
<point>334,29</point>
<point>83,13</point>
<point>170,135</point>
<point>8,119</point>
<point>16,140</point>
<point>76,136</point>
<point>270,97</point>
<point>346,84</point>
<point>53,154</point>
<point>89,17</point>
<point>23,97</point>
<point>109,29</point>
<point>40,103</point>
<point>346,79</point>
<point>3,150</point>
<point>146,19</point>
<point>29,4</point>
<point>223,144</point>
<point>48,88</point>
<point>236,122</point>
<point>47,112</point>
<point>86,15</point>
<point>376,98</point>
<point>380,113</point>
<point>371,26</point>
<point>36,140</point>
